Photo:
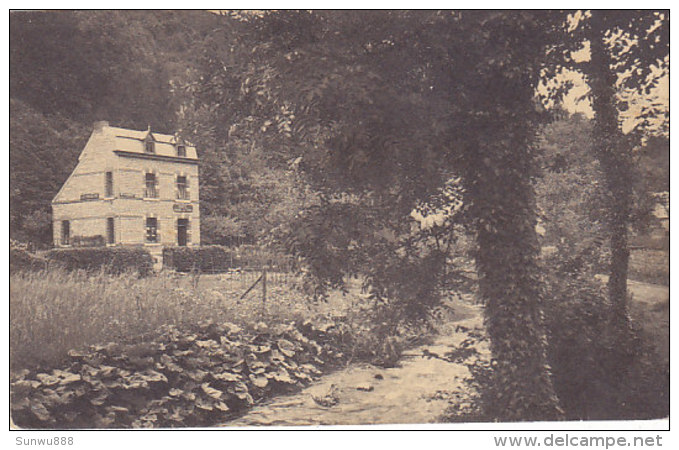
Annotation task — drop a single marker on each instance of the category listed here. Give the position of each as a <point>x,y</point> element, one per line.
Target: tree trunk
<point>498,173</point>
<point>503,205</point>
<point>616,163</point>
<point>617,283</point>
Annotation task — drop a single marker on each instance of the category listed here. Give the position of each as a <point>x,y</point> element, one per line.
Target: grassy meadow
<point>52,311</point>
<point>650,266</point>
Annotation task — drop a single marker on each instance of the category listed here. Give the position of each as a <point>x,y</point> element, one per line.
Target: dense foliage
<point>20,259</point>
<point>209,259</point>
<point>600,371</point>
<point>176,378</point>
<point>628,54</point>
<point>570,194</point>
<point>596,374</point>
<point>654,161</point>
<point>601,367</point>
<point>113,260</point>
<point>43,152</point>
<point>69,69</point>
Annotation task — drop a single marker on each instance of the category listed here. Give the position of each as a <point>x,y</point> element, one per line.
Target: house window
<point>181,151</point>
<point>109,184</point>
<point>151,190</point>
<point>182,187</point>
<point>110,231</point>
<point>65,232</point>
<point>150,146</point>
<point>151,229</point>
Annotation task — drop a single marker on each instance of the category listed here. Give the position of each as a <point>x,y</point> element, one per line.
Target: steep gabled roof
<point>142,135</point>
<point>107,142</point>
<point>127,141</point>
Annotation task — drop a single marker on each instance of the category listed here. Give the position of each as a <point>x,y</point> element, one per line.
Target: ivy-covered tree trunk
<point>498,168</point>
<point>510,284</point>
<point>616,163</point>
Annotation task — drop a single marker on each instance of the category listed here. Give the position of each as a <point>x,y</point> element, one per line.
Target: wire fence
<point>249,271</point>
<point>243,279</point>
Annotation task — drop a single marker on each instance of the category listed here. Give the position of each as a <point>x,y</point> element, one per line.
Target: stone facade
<point>130,188</point>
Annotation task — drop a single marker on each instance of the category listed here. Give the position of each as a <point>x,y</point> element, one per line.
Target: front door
<point>182,231</point>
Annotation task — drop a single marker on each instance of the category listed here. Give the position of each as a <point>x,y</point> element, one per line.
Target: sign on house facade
<point>130,188</point>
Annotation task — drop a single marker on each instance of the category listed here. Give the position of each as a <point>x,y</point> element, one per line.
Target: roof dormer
<point>149,142</point>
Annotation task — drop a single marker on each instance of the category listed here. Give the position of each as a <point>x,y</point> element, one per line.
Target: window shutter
<point>188,232</point>
<point>158,230</point>
<point>176,186</point>
<point>188,188</point>
<point>155,184</point>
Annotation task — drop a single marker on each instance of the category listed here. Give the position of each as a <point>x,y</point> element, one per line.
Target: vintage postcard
<point>301,218</point>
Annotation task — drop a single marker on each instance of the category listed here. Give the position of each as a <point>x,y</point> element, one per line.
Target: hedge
<point>220,259</point>
<point>209,259</point>
<point>22,260</point>
<point>114,260</point>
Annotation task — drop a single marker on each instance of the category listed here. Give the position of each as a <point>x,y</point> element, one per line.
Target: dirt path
<point>646,293</point>
<point>418,391</point>
<point>650,310</point>
<point>415,392</point>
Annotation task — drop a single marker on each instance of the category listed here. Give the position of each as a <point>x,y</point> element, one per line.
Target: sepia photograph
<point>266,219</point>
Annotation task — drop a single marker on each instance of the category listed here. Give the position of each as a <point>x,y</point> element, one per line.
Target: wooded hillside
<point>69,69</point>
<point>137,69</point>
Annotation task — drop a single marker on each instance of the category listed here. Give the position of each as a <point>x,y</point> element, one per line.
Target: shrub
<point>194,376</point>
<point>114,260</point>
<point>585,348</point>
<point>208,259</point>
<point>20,259</point>
<point>602,368</point>
<point>219,259</point>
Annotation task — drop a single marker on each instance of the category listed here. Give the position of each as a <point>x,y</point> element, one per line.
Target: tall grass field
<point>53,311</point>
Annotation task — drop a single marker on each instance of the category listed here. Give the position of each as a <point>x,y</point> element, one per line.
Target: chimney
<point>98,126</point>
